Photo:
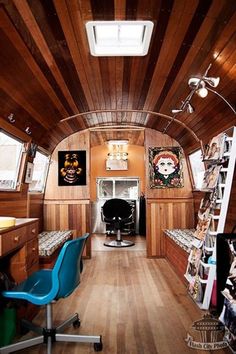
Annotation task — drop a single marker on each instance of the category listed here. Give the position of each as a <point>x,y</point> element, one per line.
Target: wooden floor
<point>138,305</point>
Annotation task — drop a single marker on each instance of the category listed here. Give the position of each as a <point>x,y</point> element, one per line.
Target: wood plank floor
<point>138,305</point>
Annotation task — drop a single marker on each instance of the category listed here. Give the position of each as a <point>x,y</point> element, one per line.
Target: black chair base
<point>119,244</point>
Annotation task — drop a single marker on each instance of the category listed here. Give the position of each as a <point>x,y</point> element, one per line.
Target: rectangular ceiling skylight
<point>119,38</point>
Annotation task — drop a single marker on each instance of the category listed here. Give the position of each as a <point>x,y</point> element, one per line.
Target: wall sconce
<point>117,152</point>
<point>117,155</point>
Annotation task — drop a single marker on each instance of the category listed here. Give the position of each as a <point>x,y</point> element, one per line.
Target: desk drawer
<point>13,239</point>
<point>32,231</point>
<point>32,253</point>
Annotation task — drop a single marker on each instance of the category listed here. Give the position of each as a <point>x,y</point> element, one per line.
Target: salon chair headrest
<point>114,208</point>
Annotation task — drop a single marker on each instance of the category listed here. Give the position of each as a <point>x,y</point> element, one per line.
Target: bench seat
<point>177,249</point>
<point>50,243</point>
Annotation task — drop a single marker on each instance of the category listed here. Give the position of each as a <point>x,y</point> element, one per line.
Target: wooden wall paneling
<point>69,215</point>
<point>36,208</point>
<point>166,214</point>
<point>77,141</point>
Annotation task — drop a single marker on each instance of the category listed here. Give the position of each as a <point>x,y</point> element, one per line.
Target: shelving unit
<point>218,214</point>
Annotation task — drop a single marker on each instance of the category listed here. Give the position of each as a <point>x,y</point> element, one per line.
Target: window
<point>41,164</point>
<point>124,188</point>
<point>197,168</point>
<point>119,38</point>
<point>11,151</point>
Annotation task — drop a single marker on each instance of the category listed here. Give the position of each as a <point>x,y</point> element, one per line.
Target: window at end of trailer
<point>197,168</point>
<point>11,151</point>
<point>41,165</point>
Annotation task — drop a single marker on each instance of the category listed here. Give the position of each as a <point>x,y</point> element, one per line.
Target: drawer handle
<point>33,249</point>
<point>33,231</point>
<point>16,238</point>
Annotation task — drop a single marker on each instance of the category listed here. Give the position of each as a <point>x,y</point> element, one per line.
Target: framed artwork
<point>72,168</point>
<point>165,167</point>
<point>29,172</point>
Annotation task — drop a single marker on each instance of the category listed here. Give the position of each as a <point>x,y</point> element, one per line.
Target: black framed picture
<point>165,167</point>
<point>72,168</point>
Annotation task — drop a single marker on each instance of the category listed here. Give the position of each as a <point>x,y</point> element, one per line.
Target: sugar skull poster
<point>165,167</point>
<point>72,168</point>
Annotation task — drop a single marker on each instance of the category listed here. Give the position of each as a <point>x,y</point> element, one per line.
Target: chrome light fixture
<point>201,85</point>
<point>189,108</point>
<point>176,111</point>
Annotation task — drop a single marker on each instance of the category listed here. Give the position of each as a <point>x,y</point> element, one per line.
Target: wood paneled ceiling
<point>48,74</point>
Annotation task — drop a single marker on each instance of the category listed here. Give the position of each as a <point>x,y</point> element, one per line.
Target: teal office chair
<point>46,286</point>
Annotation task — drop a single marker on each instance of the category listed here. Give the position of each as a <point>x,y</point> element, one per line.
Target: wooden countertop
<point>19,223</point>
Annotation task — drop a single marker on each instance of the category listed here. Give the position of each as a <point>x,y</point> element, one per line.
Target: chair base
<point>119,243</point>
<point>49,335</point>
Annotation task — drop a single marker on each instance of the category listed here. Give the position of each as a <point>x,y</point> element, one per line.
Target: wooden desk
<point>20,257</point>
<point>19,244</point>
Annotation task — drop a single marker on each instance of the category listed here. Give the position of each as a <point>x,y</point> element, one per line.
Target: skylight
<point>119,38</point>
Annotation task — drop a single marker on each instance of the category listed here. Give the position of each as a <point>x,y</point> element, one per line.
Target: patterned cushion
<point>49,241</point>
<point>183,237</point>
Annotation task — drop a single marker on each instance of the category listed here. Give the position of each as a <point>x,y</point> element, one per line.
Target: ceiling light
<point>212,81</point>
<point>202,91</point>
<point>189,108</point>
<point>195,81</point>
<point>176,111</point>
<point>119,38</point>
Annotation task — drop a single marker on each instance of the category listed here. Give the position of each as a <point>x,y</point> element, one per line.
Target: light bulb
<point>202,92</point>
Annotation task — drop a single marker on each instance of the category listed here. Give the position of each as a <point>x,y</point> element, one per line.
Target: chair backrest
<point>116,207</point>
<point>66,271</point>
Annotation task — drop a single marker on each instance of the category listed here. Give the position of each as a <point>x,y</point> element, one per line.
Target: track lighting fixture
<point>189,108</point>
<point>201,85</point>
<point>186,105</point>
<point>212,81</point>
<point>176,111</point>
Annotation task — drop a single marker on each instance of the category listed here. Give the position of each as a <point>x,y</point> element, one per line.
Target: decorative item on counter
<point>7,221</point>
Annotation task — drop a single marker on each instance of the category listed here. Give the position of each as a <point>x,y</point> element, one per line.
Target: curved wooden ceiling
<point>48,74</point>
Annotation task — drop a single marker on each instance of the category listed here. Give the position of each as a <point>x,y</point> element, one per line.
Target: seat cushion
<point>49,241</point>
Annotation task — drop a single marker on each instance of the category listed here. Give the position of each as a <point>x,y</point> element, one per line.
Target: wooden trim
<point>74,201</point>
<point>168,200</point>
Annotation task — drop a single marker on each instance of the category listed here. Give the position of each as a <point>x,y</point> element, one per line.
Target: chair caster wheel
<point>98,347</point>
<point>76,323</point>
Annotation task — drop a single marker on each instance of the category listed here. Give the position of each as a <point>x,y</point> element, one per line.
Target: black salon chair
<point>117,213</point>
